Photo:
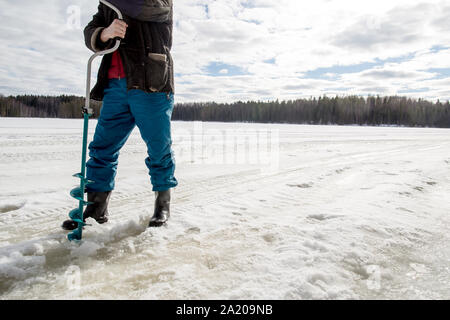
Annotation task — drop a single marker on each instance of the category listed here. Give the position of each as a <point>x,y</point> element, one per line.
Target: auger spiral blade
<point>76,214</point>
<point>80,176</point>
<point>75,235</point>
<point>77,193</point>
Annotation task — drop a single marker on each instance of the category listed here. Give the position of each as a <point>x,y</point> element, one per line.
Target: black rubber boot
<point>162,209</point>
<point>98,210</point>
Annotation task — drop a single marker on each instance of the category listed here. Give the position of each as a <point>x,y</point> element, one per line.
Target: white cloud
<point>277,42</point>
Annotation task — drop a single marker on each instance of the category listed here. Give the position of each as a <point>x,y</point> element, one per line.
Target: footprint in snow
<point>10,207</point>
<point>323,217</point>
<point>269,238</point>
<point>193,230</point>
<point>303,185</point>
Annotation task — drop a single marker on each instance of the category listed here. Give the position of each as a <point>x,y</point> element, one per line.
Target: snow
<point>303,212</point>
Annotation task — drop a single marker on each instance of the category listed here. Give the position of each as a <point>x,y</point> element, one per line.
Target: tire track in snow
<point>209,189</point>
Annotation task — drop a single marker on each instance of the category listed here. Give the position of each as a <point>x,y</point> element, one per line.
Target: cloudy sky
<point>228,50</point>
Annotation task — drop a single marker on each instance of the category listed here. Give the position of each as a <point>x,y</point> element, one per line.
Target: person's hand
<point>118,28</point>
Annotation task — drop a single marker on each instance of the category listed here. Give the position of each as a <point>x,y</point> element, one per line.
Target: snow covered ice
<point>340,213</point>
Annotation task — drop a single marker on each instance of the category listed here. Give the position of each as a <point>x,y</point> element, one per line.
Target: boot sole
<point>69,225</point>
<point>156,224</point>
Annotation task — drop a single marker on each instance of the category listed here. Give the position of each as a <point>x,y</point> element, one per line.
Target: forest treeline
<point>348,110</point>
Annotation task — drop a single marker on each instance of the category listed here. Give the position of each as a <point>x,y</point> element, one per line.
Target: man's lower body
<point>122,110</point>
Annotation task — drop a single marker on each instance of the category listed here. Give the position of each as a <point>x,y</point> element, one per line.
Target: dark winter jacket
<point>145,51</point>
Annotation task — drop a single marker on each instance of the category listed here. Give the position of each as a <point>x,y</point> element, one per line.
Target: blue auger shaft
<point>77,234</point>
<point>83,170</point>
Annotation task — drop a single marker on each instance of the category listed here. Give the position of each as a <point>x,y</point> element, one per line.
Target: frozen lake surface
<point>261,212</point>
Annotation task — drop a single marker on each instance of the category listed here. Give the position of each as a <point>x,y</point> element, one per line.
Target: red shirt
<point>116,69</point>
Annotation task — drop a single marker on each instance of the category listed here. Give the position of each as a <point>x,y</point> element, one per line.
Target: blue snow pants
<point>121,111</point>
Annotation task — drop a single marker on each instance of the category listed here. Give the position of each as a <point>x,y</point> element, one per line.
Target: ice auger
<point>76,215</point>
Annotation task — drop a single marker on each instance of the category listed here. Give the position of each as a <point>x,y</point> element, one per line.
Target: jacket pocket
<point>157,71</point>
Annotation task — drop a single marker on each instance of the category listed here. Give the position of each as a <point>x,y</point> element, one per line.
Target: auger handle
<point>87,109</point>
